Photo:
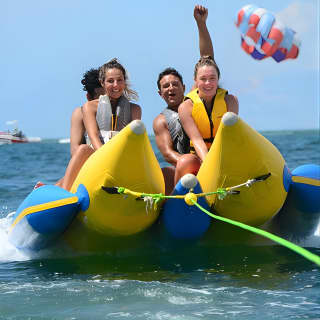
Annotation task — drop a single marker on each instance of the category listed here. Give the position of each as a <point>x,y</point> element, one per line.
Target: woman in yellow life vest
<point>201,112</point>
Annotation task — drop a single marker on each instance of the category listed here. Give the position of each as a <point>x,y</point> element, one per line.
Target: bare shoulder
<point>232,103</point>
<point>159,122</point>
<point>91,105</point>
<point>77,112</point>
<point>185,105</point>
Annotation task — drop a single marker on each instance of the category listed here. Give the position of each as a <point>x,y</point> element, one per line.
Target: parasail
<point>263,35</point>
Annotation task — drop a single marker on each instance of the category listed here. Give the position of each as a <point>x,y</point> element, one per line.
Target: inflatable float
<point>109,210</point>
<point>88,217</point>
<point>265,194</point>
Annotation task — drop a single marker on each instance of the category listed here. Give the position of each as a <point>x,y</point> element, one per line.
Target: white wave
<point>7,251</point>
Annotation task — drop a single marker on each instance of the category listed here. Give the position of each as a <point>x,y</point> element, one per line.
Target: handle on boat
<point>110,190</point>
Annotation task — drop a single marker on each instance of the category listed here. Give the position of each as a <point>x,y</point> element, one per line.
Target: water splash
<point>7,251</point>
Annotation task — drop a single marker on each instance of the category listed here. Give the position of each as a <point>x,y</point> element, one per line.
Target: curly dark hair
<point>166,72</point>
<point>91,81</point>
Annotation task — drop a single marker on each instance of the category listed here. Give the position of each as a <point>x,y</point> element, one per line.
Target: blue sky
<point>46,46</point>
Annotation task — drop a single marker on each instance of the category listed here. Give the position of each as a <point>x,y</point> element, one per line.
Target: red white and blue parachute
<point>263,36</point>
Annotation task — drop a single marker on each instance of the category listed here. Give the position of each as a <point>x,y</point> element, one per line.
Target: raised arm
<point>190,127</point>
<point>200,14</point>
<point>89,118</point>
<point>164,141</point>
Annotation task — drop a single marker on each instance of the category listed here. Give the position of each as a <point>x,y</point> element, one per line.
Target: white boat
<point>16,136</point>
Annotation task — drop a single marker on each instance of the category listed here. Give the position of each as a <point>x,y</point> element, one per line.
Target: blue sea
<point>242,282</point>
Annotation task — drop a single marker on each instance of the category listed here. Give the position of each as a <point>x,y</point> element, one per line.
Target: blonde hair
<point>129,93</point>
<point>206,61</point>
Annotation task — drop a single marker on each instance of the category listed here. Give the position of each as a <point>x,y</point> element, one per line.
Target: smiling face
<point>114,83</point>
<point>207,82</point>
<point>171,90</point>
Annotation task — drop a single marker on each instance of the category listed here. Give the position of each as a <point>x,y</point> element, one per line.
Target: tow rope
<point>301,251</point>
<point>156,197</point>
<point>191,199</point>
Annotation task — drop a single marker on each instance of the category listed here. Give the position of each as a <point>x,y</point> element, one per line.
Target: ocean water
<point>265,282</point>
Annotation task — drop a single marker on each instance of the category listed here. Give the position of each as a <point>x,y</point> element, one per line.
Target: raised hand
<point>200,13</point>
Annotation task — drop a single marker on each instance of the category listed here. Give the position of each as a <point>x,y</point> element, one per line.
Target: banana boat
<point>98,219</point>
<point>242,160</point>
<point>112,220</point>
<point>260,191</point>
<point>238,154</point>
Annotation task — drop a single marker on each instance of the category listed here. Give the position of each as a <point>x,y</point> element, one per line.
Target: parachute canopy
<point>263,35</point>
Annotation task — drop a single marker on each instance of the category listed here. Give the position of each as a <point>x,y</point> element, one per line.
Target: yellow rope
<point>159,196</point>
<point>191,197</point>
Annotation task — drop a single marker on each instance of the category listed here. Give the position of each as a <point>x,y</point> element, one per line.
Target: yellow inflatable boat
<point>238,154</point>
<point>126,160</point>
<point>242,157</point>
<point>95,217</point>
<point>89,218</point>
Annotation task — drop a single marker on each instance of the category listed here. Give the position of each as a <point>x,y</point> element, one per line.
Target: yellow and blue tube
<point>299,217</point>
<point>305,187</point>
<point>44,215</point>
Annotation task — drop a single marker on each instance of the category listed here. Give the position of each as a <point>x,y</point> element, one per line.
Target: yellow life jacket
<point>207,125</point>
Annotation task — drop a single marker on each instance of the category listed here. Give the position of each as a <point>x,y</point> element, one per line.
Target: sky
<point>47,46</point>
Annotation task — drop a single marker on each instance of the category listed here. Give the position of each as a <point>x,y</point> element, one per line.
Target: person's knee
<point>188,163</point>
<point>187,160</point>
<point>183,160</point>
<point>84,149</point>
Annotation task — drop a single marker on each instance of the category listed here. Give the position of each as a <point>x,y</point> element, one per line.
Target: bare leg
<point>79,158</point>
<point>188,163</point>
<point>168,174</point>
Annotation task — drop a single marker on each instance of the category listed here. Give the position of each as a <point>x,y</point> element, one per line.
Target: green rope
<point>121,189</point>
<point>303,252</point>
<point>157,197</point>
<point>223,192</point>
